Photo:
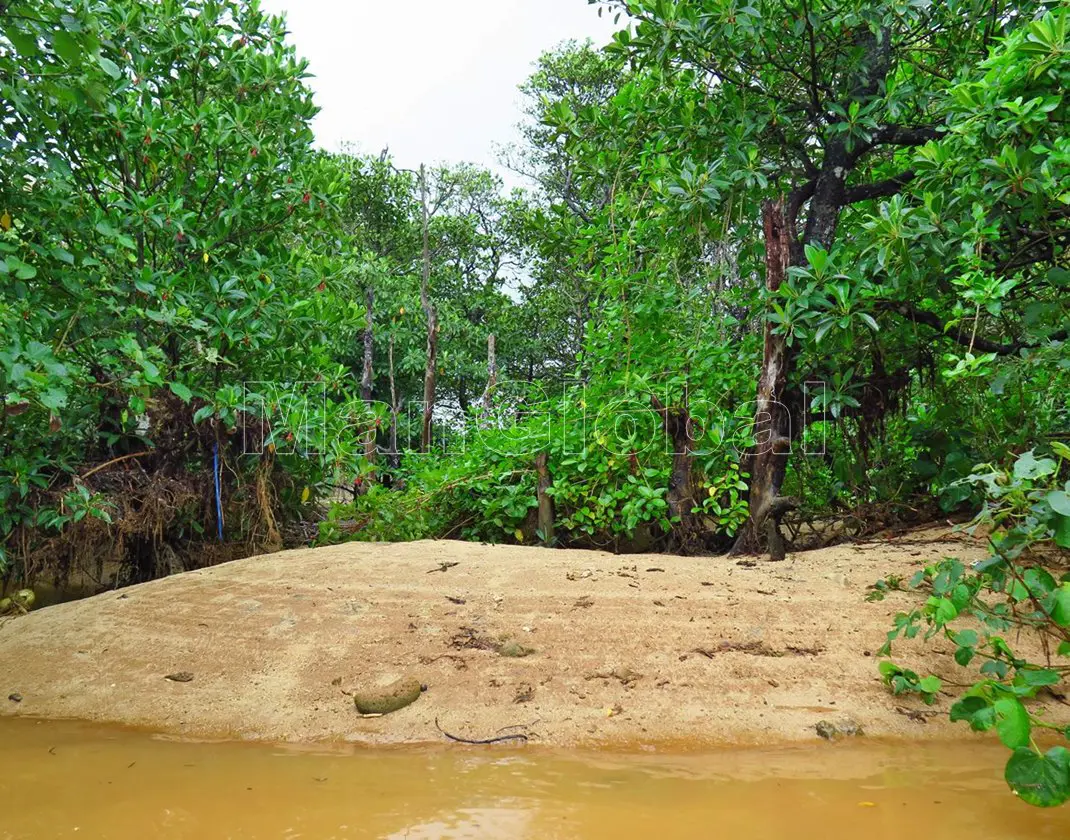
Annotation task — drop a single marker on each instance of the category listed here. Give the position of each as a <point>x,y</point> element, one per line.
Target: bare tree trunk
<point>772,420</point>
<point>546,504</point>
<point>492,376</point>
<point>687,535</point>
<point>431,314</point>
<point>393,456</point>
<point>367,378</point>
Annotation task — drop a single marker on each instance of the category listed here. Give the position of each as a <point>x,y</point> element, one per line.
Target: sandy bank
<point>272,642</point>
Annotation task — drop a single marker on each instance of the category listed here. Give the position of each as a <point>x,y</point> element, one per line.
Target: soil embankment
<point>629,649</point>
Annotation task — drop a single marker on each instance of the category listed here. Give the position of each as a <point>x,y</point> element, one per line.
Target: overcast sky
<point>436,80</point>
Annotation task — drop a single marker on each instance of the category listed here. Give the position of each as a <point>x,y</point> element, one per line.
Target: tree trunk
<point>772,420</point>
<point>431,314</point>
<point>367,378</point>
<point>393,456</point>
<point>487,399</point>
<point>687,536</point>
<point>546,504</point>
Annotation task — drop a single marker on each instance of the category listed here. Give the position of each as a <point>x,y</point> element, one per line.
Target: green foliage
<point>1005,594</point>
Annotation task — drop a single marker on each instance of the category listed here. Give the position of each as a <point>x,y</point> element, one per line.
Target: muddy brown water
<point>72,780</point>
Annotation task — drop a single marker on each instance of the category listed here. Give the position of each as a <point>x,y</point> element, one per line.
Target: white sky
<point>436,80</point>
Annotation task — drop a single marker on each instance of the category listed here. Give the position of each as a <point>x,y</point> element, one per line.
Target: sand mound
<point>628,649</point>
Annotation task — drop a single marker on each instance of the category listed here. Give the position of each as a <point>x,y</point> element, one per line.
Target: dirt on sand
<point>620,649</point>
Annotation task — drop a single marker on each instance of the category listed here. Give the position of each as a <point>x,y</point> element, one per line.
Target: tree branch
<point>931,319</point>
<point>879,189</point>
<point>904,135</point>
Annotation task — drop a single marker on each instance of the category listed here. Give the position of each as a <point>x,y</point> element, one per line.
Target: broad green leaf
<point>66,47</point>
<point>1012,722</point>
<point>1037,677</point>
<point>1058,605</point>
<point>977,711</point>
<point>54,399</point>
<point>109,67</point>
<point>1029,467</point>
<point>1062,531</point>
<point>23,271</point>
<point>1059,501</point>
<point>25,43</point>
<point>63,255</point>
<point>1041,780</point>
<point>181,391</point>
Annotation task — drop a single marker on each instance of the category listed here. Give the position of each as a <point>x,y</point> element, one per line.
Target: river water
<point>72,780</point>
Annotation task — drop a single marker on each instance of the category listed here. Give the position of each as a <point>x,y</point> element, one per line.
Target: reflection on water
<point>70,780</point>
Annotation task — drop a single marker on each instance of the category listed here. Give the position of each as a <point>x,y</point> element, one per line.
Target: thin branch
<point>879,189</point>
<point>931,319</point>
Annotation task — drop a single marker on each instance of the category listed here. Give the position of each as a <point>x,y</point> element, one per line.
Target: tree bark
<point>393,456</point>
<point>827,194</point>
<point>431,314</point>
<point>546,504</point>
<point>492,376</point>
<point>687,536</point>
<point>772,420</point>
<point>367,378</point>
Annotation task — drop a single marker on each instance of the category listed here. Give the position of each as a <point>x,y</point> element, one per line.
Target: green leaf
<point>63,255</point>
<point>1036,677</point>
<point>1062,531</point>
<point>25,43</point>
<point>966,638</point>
<point>23,271</point>
<point>1012,722</point>
<point>976,710</point>
<point>870,321</point>
<point>109,67</point>
<point>945,611</point>
<point>1041,780</point>
<point>181,391</point>
<point>1029,467</point>
<point>54,399</point>
<point>66,47</point>
<point>1058,605</point>
<point>1059,501</point>
<point>203,413</point>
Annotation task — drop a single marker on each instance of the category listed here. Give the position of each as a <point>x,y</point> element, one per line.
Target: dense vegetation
<point>782,264</point>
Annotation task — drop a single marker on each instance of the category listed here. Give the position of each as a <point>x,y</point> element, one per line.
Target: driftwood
<point>518,736</point>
